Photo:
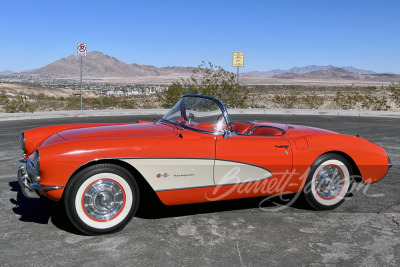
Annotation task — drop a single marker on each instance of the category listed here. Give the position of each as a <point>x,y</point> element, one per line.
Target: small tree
<point>210,80</point>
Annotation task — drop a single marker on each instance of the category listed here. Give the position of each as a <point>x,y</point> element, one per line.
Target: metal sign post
<point>82,50</point>
<point>238,61</point>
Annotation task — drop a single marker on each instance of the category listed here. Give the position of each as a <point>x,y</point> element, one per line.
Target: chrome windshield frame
<point>220,105</point>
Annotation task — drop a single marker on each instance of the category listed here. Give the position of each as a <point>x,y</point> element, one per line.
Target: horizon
<point>283,35</point>
<point>261,71</point>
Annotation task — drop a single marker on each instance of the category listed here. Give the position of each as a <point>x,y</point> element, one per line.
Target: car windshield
<point>198,113</point>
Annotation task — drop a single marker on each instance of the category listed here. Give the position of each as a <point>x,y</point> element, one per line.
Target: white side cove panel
<point>168,174</point>
<point>231,172</point>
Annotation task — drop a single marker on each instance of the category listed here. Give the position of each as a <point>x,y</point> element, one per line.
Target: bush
<point>395,93</point>
<point>3,98</point>
<point>209,80</point>
<point>312,101</point>
<point>289,101</point>
<point>365,100</point>
<point>299,100</point>
<point>20,104</point>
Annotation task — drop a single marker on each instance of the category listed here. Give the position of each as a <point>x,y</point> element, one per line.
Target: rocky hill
<point>96,64</point>
<point>306,69</point>
<point>340,74</point>
<point>6,72</point>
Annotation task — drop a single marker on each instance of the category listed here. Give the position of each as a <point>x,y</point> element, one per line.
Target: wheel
<point>101,199</point>
<point>328,182</point>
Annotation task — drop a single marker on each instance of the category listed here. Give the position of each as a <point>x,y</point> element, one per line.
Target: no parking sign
<point>82,49</point>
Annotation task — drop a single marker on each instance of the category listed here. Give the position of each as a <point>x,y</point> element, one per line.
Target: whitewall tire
<point>101,199</point>
<point>328,182</point>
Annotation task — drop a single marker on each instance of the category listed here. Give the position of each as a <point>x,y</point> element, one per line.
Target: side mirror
<point>227,133</point>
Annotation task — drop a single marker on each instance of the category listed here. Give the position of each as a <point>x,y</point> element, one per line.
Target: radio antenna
<point>358,125</point>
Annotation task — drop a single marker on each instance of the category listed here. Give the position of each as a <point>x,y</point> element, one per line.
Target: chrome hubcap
<point>103,200</point>
<point>329,181</point>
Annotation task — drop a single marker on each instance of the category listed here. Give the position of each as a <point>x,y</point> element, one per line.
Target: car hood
<point>135,130</point>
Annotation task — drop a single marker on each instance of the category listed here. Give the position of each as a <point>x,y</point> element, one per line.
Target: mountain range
<point>306,69</point>
<point>96,64</point>
<point>340,74</point>
<point>6,72</point>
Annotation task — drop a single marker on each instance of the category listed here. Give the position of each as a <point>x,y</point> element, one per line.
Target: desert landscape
<point>109,83</point>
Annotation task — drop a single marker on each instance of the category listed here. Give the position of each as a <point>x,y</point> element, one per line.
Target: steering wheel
<point>231,127</point>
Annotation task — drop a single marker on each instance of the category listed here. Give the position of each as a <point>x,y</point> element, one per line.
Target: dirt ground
<point>310,96</point>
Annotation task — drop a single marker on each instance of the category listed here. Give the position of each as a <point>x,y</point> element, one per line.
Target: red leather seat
<point>242,127</point>
<point>265,130</point>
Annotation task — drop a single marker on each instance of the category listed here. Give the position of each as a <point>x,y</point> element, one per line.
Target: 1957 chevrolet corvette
<point>195,153</point>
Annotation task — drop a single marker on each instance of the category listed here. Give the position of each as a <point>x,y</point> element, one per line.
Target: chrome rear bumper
<point>30,189</point>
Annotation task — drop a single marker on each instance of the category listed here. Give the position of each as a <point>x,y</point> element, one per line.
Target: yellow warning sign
<point>238,59</point>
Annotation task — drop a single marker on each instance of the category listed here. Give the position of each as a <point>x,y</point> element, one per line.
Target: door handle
<point>282,146</point>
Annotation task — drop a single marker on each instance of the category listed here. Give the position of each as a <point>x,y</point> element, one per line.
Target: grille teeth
<point>32,171</point>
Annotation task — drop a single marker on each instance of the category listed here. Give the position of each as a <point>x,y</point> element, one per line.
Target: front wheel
<point>101,199</point>
<point>328,182</point>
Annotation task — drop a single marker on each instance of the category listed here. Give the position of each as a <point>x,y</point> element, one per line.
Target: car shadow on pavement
<point>36,210</point>
<point>40,210</point>
<point>152,208</point>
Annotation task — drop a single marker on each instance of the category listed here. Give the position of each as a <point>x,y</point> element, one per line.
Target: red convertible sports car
<point>195,153</point>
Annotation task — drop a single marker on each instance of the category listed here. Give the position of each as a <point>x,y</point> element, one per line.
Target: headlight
<point>22,141</point>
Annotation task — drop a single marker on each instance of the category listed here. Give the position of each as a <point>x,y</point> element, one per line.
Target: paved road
<point>365,230</point>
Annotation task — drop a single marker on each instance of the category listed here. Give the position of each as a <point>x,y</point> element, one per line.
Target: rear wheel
<point>328,182</point>
<point>101,199</point>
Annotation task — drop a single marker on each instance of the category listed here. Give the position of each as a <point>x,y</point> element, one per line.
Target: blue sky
<point>273,34</point>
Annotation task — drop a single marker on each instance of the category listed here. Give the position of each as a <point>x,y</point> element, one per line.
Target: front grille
<point>33,172</point>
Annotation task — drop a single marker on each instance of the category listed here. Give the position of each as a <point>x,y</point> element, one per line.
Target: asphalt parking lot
<point>365,230</point>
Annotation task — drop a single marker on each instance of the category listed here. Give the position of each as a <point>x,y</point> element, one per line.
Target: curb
<point>138,112</point>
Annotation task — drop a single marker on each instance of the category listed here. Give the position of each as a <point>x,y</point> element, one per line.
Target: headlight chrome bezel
<point>22,142</point>
<point>33,166</point>
<point>37,163</point>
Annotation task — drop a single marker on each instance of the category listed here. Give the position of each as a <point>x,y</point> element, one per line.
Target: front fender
<point>371,159</point>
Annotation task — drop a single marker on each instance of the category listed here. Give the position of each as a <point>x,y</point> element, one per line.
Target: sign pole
<point>81,81</point>
<point>238,61</point>
<point>82,50</point>
<point>237,77</point>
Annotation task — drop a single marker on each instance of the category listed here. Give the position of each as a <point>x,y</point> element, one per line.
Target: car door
<point>247,159</point>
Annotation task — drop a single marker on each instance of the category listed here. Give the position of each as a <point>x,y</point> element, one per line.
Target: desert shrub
<point>101,102</point>
<point>3,98</point>
<point>127,103</point>
<point>73,102</point>
<point>109,102</point>
<point>210,80</point>
<point>395,93</point>
<point>19,104</point>
<point>365,100</point>
<point>298,99</point>
<point>286,101</point>
<point>347,100</point>
<point>312,101</point>
<point>93,103</point>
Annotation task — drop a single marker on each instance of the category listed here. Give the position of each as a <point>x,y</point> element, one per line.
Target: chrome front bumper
<point>30,190</point>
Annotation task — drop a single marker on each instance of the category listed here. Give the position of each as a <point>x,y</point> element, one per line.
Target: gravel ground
<point>364,230</point>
